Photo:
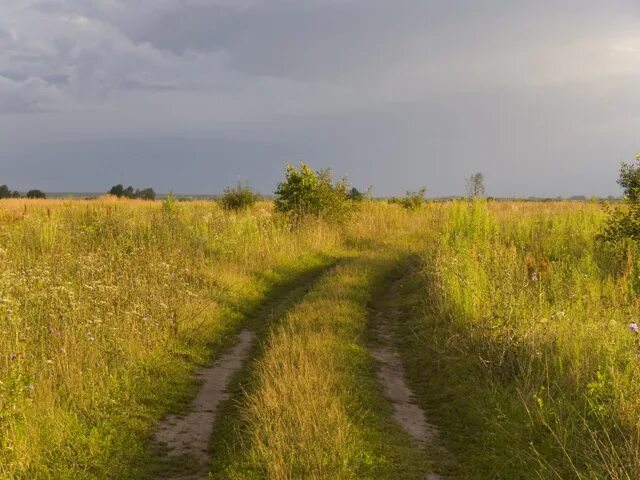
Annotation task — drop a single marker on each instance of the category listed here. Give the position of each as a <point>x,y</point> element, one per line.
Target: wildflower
<point>54,331</point>
<point>13,356</point>
<point>29,388</point>
<point>633,326</point>
<point>90,337</point>
<point>534,277</point>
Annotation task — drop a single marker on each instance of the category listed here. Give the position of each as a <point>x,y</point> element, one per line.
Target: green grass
<point>312,408</point>
<point>517,344</point>
<point>107,308</point>
<point>287,284</point>
<point>513,330</point>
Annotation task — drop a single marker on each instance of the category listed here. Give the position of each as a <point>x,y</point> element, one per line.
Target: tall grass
<point>106,306</point>
<point>527,316</point>
<point>516,337</point>
<point>313,409</point>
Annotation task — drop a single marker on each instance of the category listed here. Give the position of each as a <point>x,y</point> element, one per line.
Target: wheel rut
<point>186,440</point>
<point>191,434</point>
<point>391,377</point>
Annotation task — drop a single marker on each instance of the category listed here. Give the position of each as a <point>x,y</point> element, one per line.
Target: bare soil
<point>190,435</point>
<point>391,376</point>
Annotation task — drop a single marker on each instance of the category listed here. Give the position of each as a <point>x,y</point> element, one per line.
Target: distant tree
<point>240,197</point>
<point>356,195</point>
<point>475,185</point>
<point>5,192</point>
<point>145,194</point>
<point>117,190</point>
<point>15,194</point>
<point>36,194</point>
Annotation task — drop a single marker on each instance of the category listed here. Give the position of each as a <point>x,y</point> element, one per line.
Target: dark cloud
<point>541,96</point>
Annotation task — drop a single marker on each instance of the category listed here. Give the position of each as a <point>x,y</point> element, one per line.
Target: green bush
<point>307,192</point>
<point>629,179</point>
<point>624,222</point>
<point>240,197</point>
<point>412,200</point>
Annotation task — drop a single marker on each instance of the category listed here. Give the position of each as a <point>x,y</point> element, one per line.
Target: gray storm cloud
<point>542,98</point>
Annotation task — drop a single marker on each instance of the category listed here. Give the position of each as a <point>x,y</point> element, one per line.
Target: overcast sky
<point>194,95</point>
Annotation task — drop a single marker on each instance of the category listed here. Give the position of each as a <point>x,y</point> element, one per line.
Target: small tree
<point>5,192</point>
<point>240,197</point>
<point>629,179</point>
<point>475,185</point>
<point>308,192</point>
<point>36,194</point>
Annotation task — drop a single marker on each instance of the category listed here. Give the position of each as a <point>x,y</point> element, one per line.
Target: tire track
<point>391,376</point>
<point>191,434</point>
<point>187,439</point>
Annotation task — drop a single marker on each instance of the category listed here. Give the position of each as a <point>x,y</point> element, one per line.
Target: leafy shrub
<point>412,200</point>
<point>308,192</point>
<point>624,222</point>
<point>240,197</point>
<point>629,179</point>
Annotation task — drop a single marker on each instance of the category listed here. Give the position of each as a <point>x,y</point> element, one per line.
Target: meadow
<point>512,321</point>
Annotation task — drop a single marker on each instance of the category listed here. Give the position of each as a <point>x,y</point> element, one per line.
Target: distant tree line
<point>128,192</point>
<point>5,192</point>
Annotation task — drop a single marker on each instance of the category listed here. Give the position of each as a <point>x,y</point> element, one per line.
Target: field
<point>508,321</point>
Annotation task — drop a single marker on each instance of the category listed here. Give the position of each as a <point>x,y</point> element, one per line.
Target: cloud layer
<point>542,98</point>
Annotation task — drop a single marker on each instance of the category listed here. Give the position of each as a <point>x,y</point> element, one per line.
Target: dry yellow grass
<point>106,306</point>
<point>104,303</point>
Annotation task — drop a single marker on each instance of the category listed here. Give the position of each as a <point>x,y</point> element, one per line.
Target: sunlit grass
<point>516,336</point>
<point>104,304</point>
<point>529,314</point>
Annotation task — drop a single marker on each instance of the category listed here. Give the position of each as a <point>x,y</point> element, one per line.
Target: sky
<point>194,95</point>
